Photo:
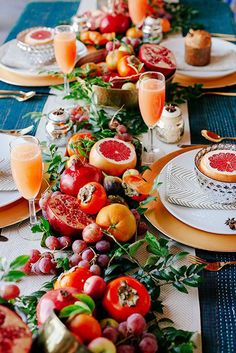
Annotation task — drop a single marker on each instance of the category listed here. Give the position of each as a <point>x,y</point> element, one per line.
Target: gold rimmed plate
<point>19,211</point>
<point>173,228</point>
<point>225,81</point>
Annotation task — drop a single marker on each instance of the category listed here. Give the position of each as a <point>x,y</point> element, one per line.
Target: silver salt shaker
<point>152,30</point>
<point>59,128</point>
<point>170,128</point>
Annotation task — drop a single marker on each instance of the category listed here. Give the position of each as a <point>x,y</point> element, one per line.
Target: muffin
<point>197,47</point>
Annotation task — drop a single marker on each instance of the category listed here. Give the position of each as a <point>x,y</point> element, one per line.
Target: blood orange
<point>219,165</point>
<point>113,156</point>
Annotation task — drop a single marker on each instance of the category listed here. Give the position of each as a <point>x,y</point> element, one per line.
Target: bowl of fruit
<point>120,65</point>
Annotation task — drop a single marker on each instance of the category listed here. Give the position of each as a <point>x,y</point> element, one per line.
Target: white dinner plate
<point>7,197</point>
<point>212,221</point>
<point>219,51</point>
<point>35,71</point>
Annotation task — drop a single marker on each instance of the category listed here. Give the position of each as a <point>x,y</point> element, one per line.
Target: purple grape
<point>75,259</point>
<point>35,255</point>
<point>45,265</point>
<point>136,215</point>
<point>148,345</point>
<point>52,243</point>
<point>84,263</point>
<point>65,242</point>
<point>78,246</point>
<point>35,268</point>
<point>142,228</point>
<point>150,335</point>
<point>127,137</point>
<point>103,246</point>
<point>136,324</point>
<point>95,269</point>
<point>126,40</point>
<point>88,254</point>
<point>119,137</point>
<point>110,333</point>
<point>103,260</point>
<point>122,329</point>
<point>121,129</point>
<point>125,348</point>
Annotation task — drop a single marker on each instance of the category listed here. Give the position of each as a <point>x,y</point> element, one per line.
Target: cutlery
<point>212,136</point>
<point>22,96</point>
<point>210,266</point>
<point>189,145</point>
<point>227,37</point>
<point>18,132</point>
<point>229,94</point>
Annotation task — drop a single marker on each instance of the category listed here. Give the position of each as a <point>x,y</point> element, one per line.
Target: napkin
<point>6,180</point>
<point>182,188</point>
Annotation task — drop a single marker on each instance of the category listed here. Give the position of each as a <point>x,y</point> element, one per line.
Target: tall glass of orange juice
<point>151,103</point>
<point>27,169</point>
<point>65,51</point>
<point>137,10</point>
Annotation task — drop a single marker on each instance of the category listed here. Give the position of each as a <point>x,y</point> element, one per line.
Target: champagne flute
<point>65,51</point>
<point>137,11</point>
<point>27,170</point>
<point>151,103</point>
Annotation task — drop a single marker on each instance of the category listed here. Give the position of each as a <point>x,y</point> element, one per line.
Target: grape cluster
<point>141,226</point>
<point>122,133</point>
<point>132,335</point>
<point>40,263</point>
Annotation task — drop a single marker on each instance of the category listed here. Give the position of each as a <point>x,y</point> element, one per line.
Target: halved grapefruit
<point>39,36</point>
<point>219,165</point>
<point>113,156</point>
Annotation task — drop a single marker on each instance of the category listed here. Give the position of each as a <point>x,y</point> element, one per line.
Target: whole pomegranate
<point>55,299</point>
<point>75,177</point>
<point>65,216</point>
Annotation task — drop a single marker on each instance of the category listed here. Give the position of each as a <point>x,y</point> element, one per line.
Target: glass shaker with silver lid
<point>59,128</point>
<point>152,30</point>
<point>170,128</point>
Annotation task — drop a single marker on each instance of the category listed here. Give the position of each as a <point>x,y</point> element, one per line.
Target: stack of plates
<point>198,228</point>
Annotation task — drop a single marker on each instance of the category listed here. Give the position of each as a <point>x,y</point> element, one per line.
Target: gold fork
<point>210,266</point>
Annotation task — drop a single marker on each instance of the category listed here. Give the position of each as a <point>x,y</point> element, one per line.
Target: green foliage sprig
<point>10,272</point>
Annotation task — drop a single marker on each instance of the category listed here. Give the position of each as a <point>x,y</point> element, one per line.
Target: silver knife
<point>18,132</point>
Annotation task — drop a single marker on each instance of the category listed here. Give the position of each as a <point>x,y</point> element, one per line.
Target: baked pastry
<point>39,36</point>
<point>198,47</point>
<point>219,165</point>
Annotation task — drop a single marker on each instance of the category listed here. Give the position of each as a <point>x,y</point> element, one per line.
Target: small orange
<point>95,37</point>
<point>165,24</point>
<point>134,32</point>
<point>85,326</point>
<point>75,278</point>
<point>118,220</point>
<point>84,36</point>
<point>75,142</point>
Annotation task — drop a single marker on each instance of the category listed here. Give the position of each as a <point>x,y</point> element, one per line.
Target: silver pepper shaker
<point>59,128</point>
<point>152,30</point>
<point>170,128</point>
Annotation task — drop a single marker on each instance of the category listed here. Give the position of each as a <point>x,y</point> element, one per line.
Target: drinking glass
<point>137,11</point>
<point>151,103</point>
<point>65,51</point>
<point>27,170</point>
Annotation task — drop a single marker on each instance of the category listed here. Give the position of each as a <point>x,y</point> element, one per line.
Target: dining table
<point>210,310</point>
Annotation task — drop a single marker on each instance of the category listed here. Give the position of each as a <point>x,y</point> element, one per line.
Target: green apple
<point>101,345</point>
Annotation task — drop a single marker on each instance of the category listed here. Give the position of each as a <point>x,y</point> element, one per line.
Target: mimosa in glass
<point>27,169</point>
<point>137,11</point>
<point>151,104</point>
<point>65,51</point>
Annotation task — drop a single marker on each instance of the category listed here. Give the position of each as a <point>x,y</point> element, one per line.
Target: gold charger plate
<point>225,81</point>
<point>18,211</point>
<point>173,228</point>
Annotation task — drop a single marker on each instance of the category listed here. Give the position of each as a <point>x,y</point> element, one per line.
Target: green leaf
<point>133,248</point>
<point>151,260</point>
<point>19,261</point>
<point>141,210</point>
<point>180,287</point>
<point>74,309</point>
<point>191,282</point>
<point>179,256</point>
<point>148,199</point>
<point>13,276</point>
<point>86,299</point>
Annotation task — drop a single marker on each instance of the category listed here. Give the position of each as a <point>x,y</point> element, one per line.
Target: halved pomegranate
<point>65,216</point>
<point>158,58</point>
<point>55,299</point>
<point>15,335</point>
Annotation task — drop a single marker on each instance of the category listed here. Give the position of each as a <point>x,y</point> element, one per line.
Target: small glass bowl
<point>36,54</point>
<point>219,191</point>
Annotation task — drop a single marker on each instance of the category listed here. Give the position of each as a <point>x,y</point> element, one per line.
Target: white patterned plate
<point>212,221</point>
<point>6,197</point>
